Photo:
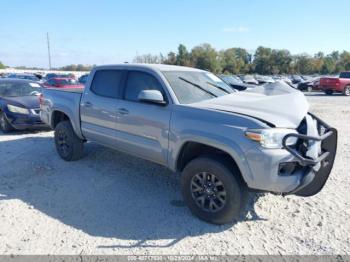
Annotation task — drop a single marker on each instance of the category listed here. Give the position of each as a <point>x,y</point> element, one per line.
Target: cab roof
<point>157,67</point>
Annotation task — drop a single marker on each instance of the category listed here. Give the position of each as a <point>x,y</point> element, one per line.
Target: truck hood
<point>276,103</point>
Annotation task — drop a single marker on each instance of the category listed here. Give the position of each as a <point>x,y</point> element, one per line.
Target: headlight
<point>271,138</point>
<point>17,109</point>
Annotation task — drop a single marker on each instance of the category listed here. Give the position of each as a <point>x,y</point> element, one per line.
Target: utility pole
<point>48,49</point>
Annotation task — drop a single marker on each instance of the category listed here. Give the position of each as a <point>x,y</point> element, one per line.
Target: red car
<point>341,84</point>
<point>62,82</point>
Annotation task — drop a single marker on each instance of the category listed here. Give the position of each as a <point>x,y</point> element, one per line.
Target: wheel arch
<point>193,149</point>
<point>58,116</point>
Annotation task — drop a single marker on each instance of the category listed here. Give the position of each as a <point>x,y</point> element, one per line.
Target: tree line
<point>265,61</point>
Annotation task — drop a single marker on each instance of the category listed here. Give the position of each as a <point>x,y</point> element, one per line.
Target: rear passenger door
<point>143,128</point>
<point>99,104</point>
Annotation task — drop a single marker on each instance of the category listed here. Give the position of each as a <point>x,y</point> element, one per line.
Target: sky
<point>114,31</point>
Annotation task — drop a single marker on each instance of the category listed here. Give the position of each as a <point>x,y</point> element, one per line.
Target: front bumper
<point>314,180</point>
<point>330,88</point>
<point>265,165</point>
<point>21,121</point>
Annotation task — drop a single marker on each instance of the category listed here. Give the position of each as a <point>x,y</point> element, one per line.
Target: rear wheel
<point>5,125</point>
<point>328,92</point>
<point>69,146</point>
<point>211,190</point>
<point>346,91</point>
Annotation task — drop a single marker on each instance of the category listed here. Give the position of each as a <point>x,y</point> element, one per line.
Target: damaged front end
<point>315,152</point>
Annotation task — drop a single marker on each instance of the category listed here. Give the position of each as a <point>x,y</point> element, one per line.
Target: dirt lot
<point>111,203</point>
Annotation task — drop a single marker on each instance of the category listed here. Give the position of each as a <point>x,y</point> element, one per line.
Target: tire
<point>5,125</point>
<point>329,92</point>
<point>346,91</point>
<point>230,190</point>
<point>68,145</point>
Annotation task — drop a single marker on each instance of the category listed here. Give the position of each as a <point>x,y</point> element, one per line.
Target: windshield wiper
<point>219,87</point>
<point>198,86</point>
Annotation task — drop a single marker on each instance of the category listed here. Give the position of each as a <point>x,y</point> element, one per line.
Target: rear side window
<point>345,75</point>
<point>107,83</point>
<point>139,81</point>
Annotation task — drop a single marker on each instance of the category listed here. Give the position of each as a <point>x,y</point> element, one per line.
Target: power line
<point>48,49</point>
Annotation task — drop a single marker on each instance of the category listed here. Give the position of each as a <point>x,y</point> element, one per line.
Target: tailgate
<point>329,82</point>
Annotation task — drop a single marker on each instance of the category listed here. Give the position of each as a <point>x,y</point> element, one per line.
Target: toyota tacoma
<point>222,142</point>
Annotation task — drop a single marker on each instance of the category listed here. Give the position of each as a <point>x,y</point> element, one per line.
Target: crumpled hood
<point>276,103</point>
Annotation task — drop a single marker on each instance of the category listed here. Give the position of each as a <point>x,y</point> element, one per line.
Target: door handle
<point>87,104</point>
<point>123,111</point>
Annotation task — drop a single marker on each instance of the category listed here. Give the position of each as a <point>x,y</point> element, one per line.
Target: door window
<point>139,81</point>
<point>107,83</point>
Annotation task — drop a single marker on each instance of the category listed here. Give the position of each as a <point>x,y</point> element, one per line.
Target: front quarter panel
<point>224,131</point>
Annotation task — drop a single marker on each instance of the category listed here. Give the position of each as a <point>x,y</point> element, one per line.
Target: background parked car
<point>235,82</point>
<point>264,79</point>
<point>296,79</point>
<point>339,84</point>
<point>31,77</point>
<point>58,82</point>
<point>83,79</point>
<point>54,75</point>
<point>19,104</point>
<point>249,79</point>
<point>309,85</point>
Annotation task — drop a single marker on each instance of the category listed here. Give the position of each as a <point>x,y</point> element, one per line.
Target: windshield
<point>11,89</point>
<point>192,86</point>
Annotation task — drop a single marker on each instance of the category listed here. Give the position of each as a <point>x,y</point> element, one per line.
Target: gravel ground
<point>111,203</point>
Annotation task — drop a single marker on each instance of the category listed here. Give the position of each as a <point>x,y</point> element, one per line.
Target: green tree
<point>2,66</point>
<point>171,59</point>
<point>345,60</point>
<point>280,61</point>
<point>262,61</point>
<point>328,66</point>
<point>183,56</point>
<point>205,57</point>
<point>318,61</point>
<point>303,64</point>
<point>235,60</point>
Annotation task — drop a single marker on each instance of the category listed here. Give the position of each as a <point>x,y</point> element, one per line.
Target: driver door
<point>143,128</point>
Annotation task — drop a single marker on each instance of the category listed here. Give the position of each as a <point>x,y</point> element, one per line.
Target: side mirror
<point>151,96</point>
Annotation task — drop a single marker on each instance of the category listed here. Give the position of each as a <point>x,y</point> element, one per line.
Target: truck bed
<point>62,100</point>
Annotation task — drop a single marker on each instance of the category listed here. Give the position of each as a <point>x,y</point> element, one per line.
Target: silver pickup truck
<point>222,142</point>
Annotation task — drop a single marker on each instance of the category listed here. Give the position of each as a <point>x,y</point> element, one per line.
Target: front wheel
<point>346,91</point>
<point>68,145</point>
<point>211,190</point>
<point>5,125</point>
